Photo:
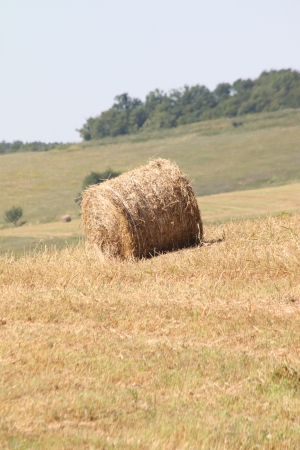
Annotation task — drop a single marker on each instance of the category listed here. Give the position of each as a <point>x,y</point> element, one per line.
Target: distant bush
<point>96,178</point>
<point>13,215</point>
<point>99,177</point>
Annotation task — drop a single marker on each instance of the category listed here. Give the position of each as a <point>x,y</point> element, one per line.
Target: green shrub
<point>96,178</point>
<point>13,215</point>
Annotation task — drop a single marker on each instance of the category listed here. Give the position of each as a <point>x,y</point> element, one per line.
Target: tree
<point>126,103</point>
<point>154,98</point>
<point>222,91</point>
<point>243,87</point>
<point>13,215</point>
<point>137,118</point>
<point>16,145</point>
<point>86,130</point>
<point>269,92</point>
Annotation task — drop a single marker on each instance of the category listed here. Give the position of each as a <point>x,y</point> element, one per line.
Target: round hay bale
<point>66,218</point>
<point>143,212</point>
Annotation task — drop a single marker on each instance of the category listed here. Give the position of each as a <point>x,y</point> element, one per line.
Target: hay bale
<point>146,211</point>
<point>66,218</point>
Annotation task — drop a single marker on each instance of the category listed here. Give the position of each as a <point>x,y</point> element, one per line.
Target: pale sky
<point>63,61</point>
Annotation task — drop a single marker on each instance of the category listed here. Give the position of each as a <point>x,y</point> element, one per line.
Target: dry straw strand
<point>149,210</point>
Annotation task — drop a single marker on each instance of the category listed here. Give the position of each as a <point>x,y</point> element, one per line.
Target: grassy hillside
<point>263,151</point>
<point>250,204</point>
<point>214,208</point>
<point>194,349</point>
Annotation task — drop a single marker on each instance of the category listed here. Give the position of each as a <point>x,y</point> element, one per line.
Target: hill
<point>263,151</point>
<point>194,349</point>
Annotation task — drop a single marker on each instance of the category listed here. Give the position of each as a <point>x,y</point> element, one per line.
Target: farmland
<point>197,348</point>
<point>193,349</point>
<point>263,152</point>
<point>215,209</point>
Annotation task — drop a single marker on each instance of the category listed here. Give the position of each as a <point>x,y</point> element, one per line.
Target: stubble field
<point>198,348</point>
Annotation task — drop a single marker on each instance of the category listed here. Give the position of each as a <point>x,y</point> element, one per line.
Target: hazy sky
<point>63,61</point>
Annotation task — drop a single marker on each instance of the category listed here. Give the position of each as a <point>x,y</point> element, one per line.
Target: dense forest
<point>269,92</point>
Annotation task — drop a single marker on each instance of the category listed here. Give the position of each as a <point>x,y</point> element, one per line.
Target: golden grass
<point>198,348</point>
<point>44,230</point>
<point>30,237</point>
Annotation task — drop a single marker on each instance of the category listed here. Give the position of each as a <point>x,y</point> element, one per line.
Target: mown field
<point>262,152</point>
<point>197,349</point>
<point>214,208</point>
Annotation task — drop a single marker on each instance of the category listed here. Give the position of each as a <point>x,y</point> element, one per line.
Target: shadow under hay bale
<point>143,212</point>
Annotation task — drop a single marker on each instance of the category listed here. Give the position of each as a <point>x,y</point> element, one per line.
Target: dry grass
<point>28,238</point>
<point>198,348</point>
<point>44,230</point>
<point>250,204</point>
<point>146,211</point>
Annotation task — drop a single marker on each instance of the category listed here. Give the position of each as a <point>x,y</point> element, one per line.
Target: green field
<point>263,152</point>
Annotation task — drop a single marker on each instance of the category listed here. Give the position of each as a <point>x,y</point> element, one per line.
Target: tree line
<point>19,146</point>
<point>269,92</point>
